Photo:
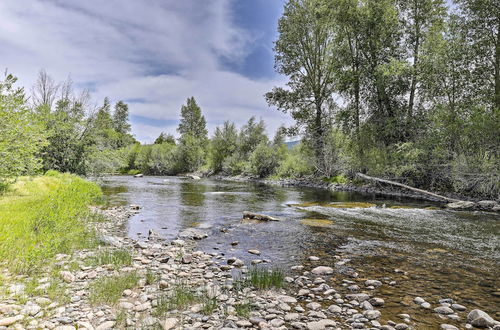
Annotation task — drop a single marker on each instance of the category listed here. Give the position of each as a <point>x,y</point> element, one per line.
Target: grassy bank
<point>43,216</point>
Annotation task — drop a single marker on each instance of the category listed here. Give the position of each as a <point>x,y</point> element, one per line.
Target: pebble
<point>443,310</point>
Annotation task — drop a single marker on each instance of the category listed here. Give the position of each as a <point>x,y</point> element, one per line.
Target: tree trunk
<point>371,178</point>
<point>497,72</point>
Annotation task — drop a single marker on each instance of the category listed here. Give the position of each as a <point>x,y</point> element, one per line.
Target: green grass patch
<point>151,277</point>
<point>116,258</point>
<point>179,298</point>
<point>243,310</point>
<point>261,278</point>
<point>109,289</point>
<point>43,216</point>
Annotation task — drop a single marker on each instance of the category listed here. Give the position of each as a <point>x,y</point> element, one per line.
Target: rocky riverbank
<point>170,285</point>
<point>371,189</point>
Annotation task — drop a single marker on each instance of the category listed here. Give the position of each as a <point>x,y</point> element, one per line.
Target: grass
<point>151,277</point>
<point>43,216</point>
<point>109,289</point>
<point>262,279</point>
<point>243,310</point>
<point>181,297</point>
<point>116,258</point>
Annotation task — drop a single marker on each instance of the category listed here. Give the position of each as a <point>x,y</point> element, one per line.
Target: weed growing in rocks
<point>262,278</point>
<point>116,258</point>
<point>243,310</point>
<point>151,277</point>
<point>110,289</point>
<point>179,298</point>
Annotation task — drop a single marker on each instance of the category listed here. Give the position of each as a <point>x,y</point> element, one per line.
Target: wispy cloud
<point>153,53</point>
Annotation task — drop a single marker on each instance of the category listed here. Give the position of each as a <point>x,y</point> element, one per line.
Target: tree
<point>304,53</point>
<point>120,118</point>
<point>21,132</point>
<point>165,138</point>
<point>192,121</point>
<point>251,135</point>
<point>481,19</point>
<point>44,92</point>
<point>223,144</point>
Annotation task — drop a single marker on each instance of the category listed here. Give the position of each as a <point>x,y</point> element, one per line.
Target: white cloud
<point>158,51</point>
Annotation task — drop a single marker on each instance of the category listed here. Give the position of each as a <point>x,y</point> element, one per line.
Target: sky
<point>153,54</point>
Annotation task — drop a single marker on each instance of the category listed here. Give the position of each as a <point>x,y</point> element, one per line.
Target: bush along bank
<point>159,284</point>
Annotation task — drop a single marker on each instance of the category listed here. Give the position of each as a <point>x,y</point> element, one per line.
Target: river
<point>427,251</point>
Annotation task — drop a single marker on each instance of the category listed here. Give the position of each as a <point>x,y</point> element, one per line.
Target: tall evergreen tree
<point>192,121</point>
<point>120,118</point>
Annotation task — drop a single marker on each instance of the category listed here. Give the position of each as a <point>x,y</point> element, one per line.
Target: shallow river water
<point>429,252</point>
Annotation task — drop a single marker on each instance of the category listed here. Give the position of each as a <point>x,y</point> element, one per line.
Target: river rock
<point>138,175</point>
<point>257,216</point>
<point>461,205</point>
<point>335,309</point>
<point>10,320</point>
<point>480,319</point>
<point>443,310</point>
<point>448,327</point>
<point>193,233</point>
<point>320,325</point>
<point>377,302</point>
<point>488,205</point>
<point>373,283</point>
<point>67,276</point>
<point>359,297</point>
<point>256,252</point>
<point>106,325</point>
<point>458,307</point>
<point>372,314</point>
<point>170,323</point>
<point>322,270</point>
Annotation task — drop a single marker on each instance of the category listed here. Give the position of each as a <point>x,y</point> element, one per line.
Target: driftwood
<point>371,178</point>
<point>256,216</point>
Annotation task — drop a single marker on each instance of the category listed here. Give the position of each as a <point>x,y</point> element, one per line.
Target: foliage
<point>108,290</point>
<point>192,122</point>
<point>262,278</point>
<point>264,160</point>
<point>223,144</point>
<point>21,133</point>
<point>43,216</point>
<point>116,258</point>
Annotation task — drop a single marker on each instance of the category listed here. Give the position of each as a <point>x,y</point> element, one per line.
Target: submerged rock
<point>193,233</point>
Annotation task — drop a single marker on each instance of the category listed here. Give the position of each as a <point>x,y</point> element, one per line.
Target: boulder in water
<point>193,233</point>
<point>257,216</point>
<point>461,205</point>
<point>139,175</point>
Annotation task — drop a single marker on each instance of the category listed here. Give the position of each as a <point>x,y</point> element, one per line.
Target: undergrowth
<point>43,216</point>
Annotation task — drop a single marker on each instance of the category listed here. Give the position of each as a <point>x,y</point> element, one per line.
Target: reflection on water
<point>445,254</point>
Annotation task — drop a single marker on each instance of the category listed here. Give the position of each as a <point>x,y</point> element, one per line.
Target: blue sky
<point>153,54</point>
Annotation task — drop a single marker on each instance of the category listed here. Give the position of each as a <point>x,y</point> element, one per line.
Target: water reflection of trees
<point>192,202</point>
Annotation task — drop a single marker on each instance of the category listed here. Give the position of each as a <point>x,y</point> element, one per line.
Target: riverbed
<point>422,249</point>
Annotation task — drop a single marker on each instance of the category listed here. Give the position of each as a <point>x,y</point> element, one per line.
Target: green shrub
<point>264,160</point>
<point>43,216</point>
<point>296,164</point>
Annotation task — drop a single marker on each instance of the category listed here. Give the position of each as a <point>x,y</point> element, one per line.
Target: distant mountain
<point>292,144</point>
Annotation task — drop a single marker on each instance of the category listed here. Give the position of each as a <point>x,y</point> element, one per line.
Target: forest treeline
<point>404,90</point>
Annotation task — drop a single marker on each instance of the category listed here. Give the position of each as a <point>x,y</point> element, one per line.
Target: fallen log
<point>257,216</point>
<point>371,178</point>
